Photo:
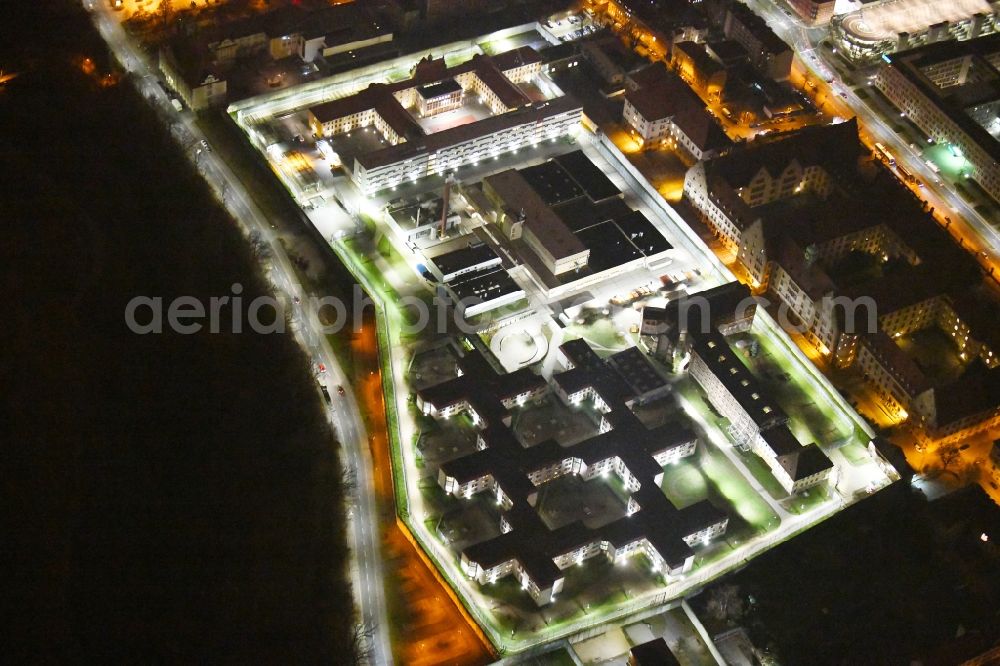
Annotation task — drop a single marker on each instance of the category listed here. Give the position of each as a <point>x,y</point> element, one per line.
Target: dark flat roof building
<point>527,548</point>
<point>439,89</point>
<point>653,653</point>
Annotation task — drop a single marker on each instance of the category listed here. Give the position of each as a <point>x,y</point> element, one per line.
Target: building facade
<point>866,34</point>
<point>814,12</point>
<point>951,92</point>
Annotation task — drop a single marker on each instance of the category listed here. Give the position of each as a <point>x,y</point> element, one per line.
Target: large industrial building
<point>951,91</point>
<point>876,29</point>
<point>526,547</point>
<point>551,229</point>
<point>567,224</point>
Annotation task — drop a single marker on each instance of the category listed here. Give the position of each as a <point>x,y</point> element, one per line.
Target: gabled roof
<point>698,54</point>
<point>976,391</point>
<point>805,462</point>
<point>903,368</point>
<point>519,57</point>
<point>649,75</point>
<point>834,147</point>
<point>702,129</point>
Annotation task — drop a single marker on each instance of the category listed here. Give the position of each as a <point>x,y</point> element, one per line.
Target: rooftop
<point>653,653</point>
<point>530,541</point>
<point>483,286</point>
<point>551,182</point>
<point>714,350</point>
<point>702,312</point>
<point>727,51</point>
<point>904,369</point>
<point>670,97</point>
<point>377,96</point>
<point>539,218</point>
<point>432,78</point>
<point>805,462</point>
<point>431,143</point>
<point>976,391</point>
<point>886,20</point>
<point>519,57</point>
<point>464,258</point>
<point>593,181</point>
<point>959,96</point>
<point>338,24</point>
<point>439,89</point>
<point>835,147</point>
<point>698,53</point>
<point>649,75</point>
<point>759,28</point>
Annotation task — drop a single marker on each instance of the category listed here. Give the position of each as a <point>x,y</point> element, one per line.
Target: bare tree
<point>361,642</point>
<point>726,604</point>
<point>349,480</point>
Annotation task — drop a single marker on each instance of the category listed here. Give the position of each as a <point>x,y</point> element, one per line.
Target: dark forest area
<point>171,497</point>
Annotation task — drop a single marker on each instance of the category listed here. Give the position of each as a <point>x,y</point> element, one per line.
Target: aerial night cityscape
<point>433,332</point>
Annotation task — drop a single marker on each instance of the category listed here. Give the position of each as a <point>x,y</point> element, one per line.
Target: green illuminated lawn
<point>812,417</point>
<point>729,484</point>
<point>855,453</point>
<point>602,333</point>
<point>952,165</point>
<point>763,474</point>
<point>808,499</point>
<point>684,484</point>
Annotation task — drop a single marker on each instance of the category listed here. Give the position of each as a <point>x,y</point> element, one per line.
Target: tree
<point>726,604</point>
<point>364,632</point>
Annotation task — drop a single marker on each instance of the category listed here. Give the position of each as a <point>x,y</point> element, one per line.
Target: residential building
<point>694,63</point>
<point>189,73</point>
<point>858,262</point>
<point>728,308</point>
<point>516,121</point>
<point>692,332</point>
<point>439,97</point>
<point>609,68</point>
<point>766,51</point>
<point>756,422</point>
<point>197,66</point>
<point>667,109</point>
<point>951,91</point>
<point>653,24</point>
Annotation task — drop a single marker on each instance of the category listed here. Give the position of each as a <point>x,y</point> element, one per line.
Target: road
<point>363,536</point>
<point>975,232</point>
